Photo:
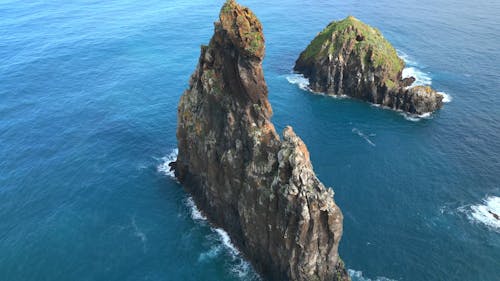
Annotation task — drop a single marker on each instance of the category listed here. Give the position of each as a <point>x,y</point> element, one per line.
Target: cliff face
<point>351,58</point>
<point>260,189</point>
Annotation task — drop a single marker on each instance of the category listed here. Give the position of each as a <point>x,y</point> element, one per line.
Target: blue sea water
<point>88,96</point>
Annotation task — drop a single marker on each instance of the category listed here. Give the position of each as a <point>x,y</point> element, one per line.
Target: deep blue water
<point>88,96</point>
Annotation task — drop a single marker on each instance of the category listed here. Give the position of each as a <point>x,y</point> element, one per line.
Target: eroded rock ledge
<point>260,189</point>
<point>351,58</point>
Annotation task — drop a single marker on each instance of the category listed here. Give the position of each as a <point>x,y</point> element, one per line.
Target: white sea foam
<point>210,254</point>
<point>164,167</point>
<point>299,80</point>
<point>195,212</point>
<point>365,137</point>
<point>239,267</point>
<point>226,240</point>
<point>407,59</point>
<point>416,117</point>
<point>421,78</point>
<point>407,116</point>
<point>410,117</point>
<point>487,213</point>
<point>412,70</point>
<point>303,83</point>
<point>244,271</point>
<point>446,98</point>
<point>358,276</point>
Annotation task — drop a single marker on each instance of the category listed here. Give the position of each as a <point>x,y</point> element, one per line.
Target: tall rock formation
<point>260,189</point>
<point>351,58</point>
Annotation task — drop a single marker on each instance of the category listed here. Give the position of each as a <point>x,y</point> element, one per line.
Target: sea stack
<point>260,189</point>
<point>351,58</point>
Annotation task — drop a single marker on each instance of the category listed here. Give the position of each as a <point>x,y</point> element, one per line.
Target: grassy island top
<point>353,33</point>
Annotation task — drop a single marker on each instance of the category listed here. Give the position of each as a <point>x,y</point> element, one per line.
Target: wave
<point>408,116</point>
<point>195,212</point>
<point>210,254</point>
<point>365,137</point>
<point>412,70</point>
<point>303,83</point>
<point>241,268</point>
<point>226,240</point>
<point>164,166</point>
<point>421,78</point>
<point>238,266</point>
<point>358,276</point>
<point>487,213</point>
<point>446,98</point>
<point>299,80</point>
<point>416,117</point>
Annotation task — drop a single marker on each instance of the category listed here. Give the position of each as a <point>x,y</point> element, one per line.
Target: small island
<point>350,58</point>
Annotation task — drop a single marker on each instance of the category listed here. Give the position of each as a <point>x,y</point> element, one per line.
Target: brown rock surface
<point>260,189</point>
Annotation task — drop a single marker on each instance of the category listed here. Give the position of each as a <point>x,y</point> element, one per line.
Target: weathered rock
<point>260,189</point>
<point>351,58</point>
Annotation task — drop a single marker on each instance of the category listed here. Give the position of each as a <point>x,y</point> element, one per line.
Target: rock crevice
<point>261,189</point>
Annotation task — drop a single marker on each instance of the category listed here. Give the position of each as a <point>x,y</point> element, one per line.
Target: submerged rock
<point>260,189</point>
<point>351,58</point>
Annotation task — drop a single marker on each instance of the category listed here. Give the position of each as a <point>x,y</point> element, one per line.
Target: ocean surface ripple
<point>88,103</point>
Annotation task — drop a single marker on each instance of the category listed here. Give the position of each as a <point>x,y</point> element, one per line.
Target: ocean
<point>88,101</point>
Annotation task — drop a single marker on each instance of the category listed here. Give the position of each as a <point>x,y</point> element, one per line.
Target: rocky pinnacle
<point>261,189</point>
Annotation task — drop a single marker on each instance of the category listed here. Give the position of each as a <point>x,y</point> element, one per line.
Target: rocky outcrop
<point>262,190</point>
<point>351,58</point>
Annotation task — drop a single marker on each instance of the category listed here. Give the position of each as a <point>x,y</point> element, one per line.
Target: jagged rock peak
<point>352,58</point>
<point>243,28</point>
<point>260,189</point>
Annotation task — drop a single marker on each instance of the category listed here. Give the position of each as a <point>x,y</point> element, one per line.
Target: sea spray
<point>422,78</point>
<point>299,80</point>
<point>487,213</point>
<point>238,267</point>
<point>303,83</point>
<point>164,166</point>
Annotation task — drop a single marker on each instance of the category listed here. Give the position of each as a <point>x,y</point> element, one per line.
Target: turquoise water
<point>88,96</point>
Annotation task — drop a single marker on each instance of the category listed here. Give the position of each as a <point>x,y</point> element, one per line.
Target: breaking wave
<point>303,83</point>
<point>446,98</point>
<point>421,78</point>
<point>164,167</point>
<point>195,212</point>
<point>487,213</point>
<point>238,266</point>
<point>299,80</point>
<point>416,117</point>
<point>411,69</point>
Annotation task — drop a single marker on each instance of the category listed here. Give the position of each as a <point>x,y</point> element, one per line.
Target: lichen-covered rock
<point>351,58</point>
<point>260,189</point>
